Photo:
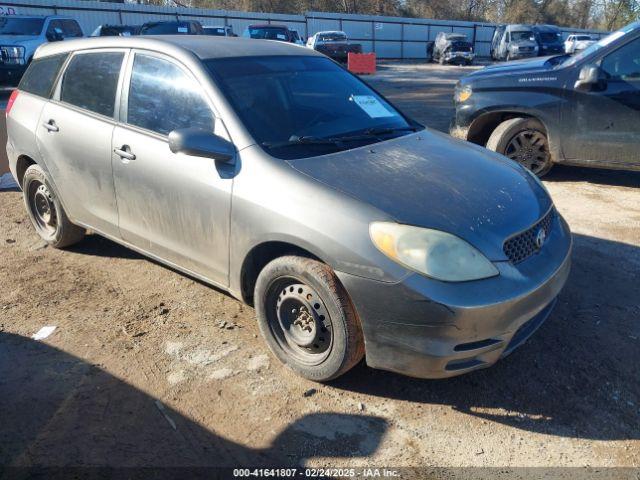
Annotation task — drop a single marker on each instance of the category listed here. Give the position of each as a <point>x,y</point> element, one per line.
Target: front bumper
<point>517,54</point>
<point>430,329</point>
<point>458,56</point>
<point>10,75</point>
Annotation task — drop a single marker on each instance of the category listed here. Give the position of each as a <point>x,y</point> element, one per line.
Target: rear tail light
<point>11,101</point>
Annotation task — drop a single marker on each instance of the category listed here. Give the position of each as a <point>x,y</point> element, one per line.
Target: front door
<point>173,206</point>
<point>74,137</point>
<point>604,122</point>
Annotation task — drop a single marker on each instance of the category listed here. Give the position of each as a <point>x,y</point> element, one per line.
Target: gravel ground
<point>149,367</point>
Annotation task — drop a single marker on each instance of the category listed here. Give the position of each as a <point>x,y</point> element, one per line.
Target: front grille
<point>521,246</point>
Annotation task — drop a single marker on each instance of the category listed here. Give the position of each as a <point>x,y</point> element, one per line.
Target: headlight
<point>432,253</point>
<point>462,94</point>
<point>12,55</point>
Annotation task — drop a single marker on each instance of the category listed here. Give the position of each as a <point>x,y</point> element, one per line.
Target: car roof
<point>520,27</point>
<point>267,25</point>
<point>203,46</point>
<point>546,28</point>
<point>55,17</point>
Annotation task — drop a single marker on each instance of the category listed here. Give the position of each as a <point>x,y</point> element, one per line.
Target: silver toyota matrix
<point>268,170</point>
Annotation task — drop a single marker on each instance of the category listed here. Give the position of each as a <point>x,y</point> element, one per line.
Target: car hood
<point>16,39</point>
<point>527,65</point>
<point>430,180</point>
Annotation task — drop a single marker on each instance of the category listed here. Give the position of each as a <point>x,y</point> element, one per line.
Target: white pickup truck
<point>21,35</point>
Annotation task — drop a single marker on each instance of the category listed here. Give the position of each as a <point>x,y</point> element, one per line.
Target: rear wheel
<point>307,319</point>
<point>46,212</point>
<point>523,140</point>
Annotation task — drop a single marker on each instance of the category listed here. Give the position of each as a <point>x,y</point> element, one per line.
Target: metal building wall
<point>388,37</point>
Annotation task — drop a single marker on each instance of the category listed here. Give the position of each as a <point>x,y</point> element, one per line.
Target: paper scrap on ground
<point>372,106</point>
<point>44,332</point>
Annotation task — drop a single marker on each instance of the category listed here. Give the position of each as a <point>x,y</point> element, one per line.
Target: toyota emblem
<point>540,238</point>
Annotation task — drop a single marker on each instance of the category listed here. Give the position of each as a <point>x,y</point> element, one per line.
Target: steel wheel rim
<point>43,208</point>
<point>529,148</point>
<point>299,321</point>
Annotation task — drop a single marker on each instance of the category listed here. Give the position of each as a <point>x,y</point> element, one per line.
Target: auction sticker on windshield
<point>372,106</point>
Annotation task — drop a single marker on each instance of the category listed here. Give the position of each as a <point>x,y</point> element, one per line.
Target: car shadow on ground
<point>617,178</point>
<point>58,410</point>
<point>576,377</point>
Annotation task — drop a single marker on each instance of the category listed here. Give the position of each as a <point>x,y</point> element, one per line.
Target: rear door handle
<point>124,152</point>
<point>51,126</point>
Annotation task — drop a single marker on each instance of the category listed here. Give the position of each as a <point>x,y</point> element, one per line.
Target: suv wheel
<point>46,212</point>
<point>307,318</point>
<point>523,140</point>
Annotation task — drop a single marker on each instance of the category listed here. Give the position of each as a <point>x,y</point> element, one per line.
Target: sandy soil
<point>149,367</point>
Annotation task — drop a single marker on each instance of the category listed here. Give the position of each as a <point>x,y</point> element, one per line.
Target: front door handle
<point>51,126</point>
<point>124,152</point>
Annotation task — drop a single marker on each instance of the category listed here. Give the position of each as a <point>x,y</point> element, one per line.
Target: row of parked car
<point>509,42</point>
<point>20,36</point>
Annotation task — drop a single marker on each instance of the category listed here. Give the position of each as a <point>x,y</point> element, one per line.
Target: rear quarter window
<point>41,75</point>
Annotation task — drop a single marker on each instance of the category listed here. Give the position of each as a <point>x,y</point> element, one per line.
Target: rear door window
<point>163,98</point>
<point>71,29</point>
<point>91,81</point>
<point>41,75</point>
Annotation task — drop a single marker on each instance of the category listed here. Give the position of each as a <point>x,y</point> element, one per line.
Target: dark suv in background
<point>269,32</point>
<point>183,27</point>
<point>579,110</point>
<point>549,38</point>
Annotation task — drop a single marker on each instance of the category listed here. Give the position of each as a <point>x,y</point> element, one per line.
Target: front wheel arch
<point>483,126</point>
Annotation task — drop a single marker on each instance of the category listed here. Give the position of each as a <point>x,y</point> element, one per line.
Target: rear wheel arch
<point>22,164</point>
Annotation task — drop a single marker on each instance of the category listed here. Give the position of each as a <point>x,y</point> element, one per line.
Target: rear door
<point>604,123</point>
<point>74,137</point>
<point>173,206</point>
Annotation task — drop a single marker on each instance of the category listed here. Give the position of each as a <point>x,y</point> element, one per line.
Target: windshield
<point>20,26</point>
<point>165,29</point>
<point>603,42</point>
<point>549,37</point>
<point>268,33</point>
<point>583,37</point>
<point>296,106</point>
<point>522,35</point>
<point>215,31</point>
<point>332,37</point>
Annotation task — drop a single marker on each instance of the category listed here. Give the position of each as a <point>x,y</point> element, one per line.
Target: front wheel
<point>307,318</point>
<point>523,140</point>
<point>46,212</point>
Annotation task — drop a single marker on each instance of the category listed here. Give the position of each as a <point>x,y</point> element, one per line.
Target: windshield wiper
<point>374,133</point>
<point>337,140</point>
<point>385,131</point>
<point>303,140</point>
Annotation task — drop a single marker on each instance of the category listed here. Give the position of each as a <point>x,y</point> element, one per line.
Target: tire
<point>523,140</point>
<point>307,319</point>
<point>46,212</point>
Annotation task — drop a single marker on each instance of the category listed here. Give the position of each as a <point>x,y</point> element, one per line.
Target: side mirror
<point>200,143</point>
<point>590,76</point>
